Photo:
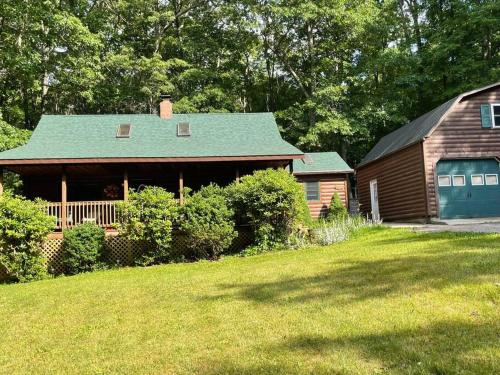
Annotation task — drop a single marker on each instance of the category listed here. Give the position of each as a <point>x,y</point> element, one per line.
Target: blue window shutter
<point>486,116</point>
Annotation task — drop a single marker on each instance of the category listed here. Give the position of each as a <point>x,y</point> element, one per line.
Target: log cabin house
<point>443,165</point>
<point>323,174</point>
<point>83,164</point>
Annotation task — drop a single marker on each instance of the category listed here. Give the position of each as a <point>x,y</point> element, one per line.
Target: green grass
<point>389,301</point>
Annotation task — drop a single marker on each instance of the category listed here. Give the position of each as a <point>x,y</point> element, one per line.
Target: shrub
<point>336,210</point>
<point>207,222</point>
<point>272,202</point>
<point>83,247</point>
<point>23,228</point>
<point>148,217</point>
<point>329,232</point>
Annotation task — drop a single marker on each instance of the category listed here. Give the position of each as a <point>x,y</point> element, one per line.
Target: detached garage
<point>468,188</point>
<point>445,164</point>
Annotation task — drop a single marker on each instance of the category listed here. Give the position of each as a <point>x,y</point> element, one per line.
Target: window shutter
<point>486,116</point>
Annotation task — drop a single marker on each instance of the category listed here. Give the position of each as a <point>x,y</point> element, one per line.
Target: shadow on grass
<point>454,262</point>
<point>440,348</point>
<point>489,240</point>
<point>455,347</point>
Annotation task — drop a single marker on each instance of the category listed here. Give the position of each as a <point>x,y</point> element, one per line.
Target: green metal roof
<point>321,162</point>
<point>212,135</point>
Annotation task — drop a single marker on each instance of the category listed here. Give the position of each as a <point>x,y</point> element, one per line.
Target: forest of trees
<point>338,74</point>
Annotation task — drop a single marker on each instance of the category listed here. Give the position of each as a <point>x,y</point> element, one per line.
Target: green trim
<point>486,120</point>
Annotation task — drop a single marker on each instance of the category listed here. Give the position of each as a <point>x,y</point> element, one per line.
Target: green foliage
<point>148,217</point>
<point>339,75</point>
<point>23,228</point>
<point>11,137</point>
<point>341,229</point>
<point>272,202</point>
<point>83,248</point>
<point>207,222</point>
<point>336,210</point>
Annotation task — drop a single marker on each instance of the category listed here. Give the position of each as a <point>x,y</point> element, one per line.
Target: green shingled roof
<point>212,135</point>
<point>321,162</point>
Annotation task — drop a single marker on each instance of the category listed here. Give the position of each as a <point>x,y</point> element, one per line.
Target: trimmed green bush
<point>23,228</point>
<point>207,222</point>
<point>148,217</point>
<point>83,248</point>
<point>336,210</point>
<point>272,202</point>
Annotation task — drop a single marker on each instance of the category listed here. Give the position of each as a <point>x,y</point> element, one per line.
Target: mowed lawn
<point>389,301</point>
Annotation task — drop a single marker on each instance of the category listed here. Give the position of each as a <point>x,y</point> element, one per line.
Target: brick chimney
<point>165,107</point>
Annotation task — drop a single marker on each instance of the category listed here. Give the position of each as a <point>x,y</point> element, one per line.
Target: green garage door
<point>468,188</point>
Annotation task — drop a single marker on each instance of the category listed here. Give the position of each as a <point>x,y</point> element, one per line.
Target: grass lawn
<point>389,301</point>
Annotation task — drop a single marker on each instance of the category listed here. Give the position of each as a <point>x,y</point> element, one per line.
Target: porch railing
<point>102,213</point>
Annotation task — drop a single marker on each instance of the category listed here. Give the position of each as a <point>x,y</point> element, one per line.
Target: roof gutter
<point>117,160</point>
<point>323,172</point>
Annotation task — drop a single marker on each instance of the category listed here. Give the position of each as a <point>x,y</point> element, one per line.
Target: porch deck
<point>102,213</point>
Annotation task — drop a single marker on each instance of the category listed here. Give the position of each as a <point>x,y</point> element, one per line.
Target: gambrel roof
<point>416,130</point>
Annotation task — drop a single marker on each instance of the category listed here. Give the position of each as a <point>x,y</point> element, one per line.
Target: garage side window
<point>495,115</point>
<point>477,179</point>
<point>444,180</point>
<point>312,190</point>
<point>491,179</point>
<point>458,180</point>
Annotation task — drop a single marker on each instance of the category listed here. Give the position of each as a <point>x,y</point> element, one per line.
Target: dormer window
<point>183,129</point>
<point>123,131</point>
<point>495,115</point>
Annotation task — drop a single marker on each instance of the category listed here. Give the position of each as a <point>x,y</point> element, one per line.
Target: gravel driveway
<point>462,225</point>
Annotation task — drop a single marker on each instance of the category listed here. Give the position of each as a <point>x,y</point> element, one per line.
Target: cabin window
<point>458,180</point>
<point>491,179</point>
<point>477,179</point>
<point>444,180</point>
<point>312,190</point>
<point>123,131</point>
<point>495,115</point>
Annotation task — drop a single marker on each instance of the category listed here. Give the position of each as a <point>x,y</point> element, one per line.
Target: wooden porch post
<point>181,187</point>
<point>1,181</point>
<point>64,199</point>
<point>125,185</point>
<point>237,175</point>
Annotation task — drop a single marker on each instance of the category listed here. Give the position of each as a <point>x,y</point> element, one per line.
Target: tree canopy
<point>338,74</point>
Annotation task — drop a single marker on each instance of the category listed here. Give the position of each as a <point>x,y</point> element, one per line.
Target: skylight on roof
<point>183,129</point>
<point>123,131</point>
<point>308,159</point>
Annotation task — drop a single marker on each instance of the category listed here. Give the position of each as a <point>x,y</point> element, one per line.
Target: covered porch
<point>78,193</point>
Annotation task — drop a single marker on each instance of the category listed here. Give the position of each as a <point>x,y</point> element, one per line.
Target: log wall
<point>460,135</point>
<point>329,184</point>
<point>401,185</point>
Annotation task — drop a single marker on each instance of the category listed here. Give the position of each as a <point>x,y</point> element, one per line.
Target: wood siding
<point>401,185</point>
<point>460,135</point>
<point>329,184</point>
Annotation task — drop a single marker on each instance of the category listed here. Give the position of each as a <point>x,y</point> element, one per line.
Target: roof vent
<point>123,131</point>
<point>183,129</point>
<point>308,159</point>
